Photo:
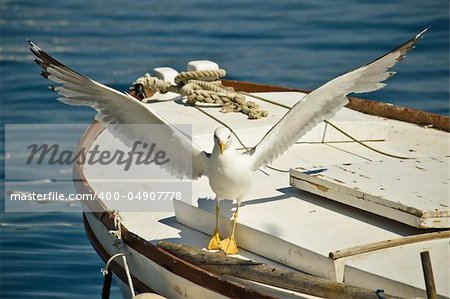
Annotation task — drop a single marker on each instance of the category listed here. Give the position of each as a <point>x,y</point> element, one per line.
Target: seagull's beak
<point>222,147</point>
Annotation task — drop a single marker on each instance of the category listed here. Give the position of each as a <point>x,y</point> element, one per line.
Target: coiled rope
<point>200,86</point>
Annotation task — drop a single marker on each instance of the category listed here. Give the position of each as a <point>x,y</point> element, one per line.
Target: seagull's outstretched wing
<point>124,116</point>
<point>324,102</point>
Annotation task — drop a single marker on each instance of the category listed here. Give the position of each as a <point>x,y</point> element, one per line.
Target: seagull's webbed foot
<point>229,245</point>
<point>214,243</point>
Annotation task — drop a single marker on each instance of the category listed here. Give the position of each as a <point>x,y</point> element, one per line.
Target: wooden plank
<point>295,281</point>
<point>387,244</point>
<point>188,270</point>
<point>414,192</point>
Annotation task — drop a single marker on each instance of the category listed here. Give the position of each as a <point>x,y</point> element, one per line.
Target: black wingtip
<point>43,59</point>
<point>45,74</point>
<point>32,44</point>
<point>33,47</point>
<point>405,48</point>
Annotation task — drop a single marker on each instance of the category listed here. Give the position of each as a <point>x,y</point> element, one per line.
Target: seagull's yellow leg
<point>214,243</point>
<point>229,245</point>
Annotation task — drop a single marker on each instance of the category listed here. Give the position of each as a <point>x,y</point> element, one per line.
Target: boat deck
<point>292,227</point>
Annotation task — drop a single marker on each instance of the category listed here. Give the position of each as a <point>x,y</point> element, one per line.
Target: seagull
<point>229,171</point>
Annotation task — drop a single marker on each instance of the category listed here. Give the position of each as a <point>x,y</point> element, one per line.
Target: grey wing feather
<point>324,102</point>
<point>124,116</point>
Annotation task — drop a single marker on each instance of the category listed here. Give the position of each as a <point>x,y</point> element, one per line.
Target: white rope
<point>105,269</point>
<point>121,246</point>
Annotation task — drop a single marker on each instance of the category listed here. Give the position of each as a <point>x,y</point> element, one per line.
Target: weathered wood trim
<point>188,270</point>
<point>388,244</point>
<point>262,273</point>
<point>410,115</point>
<point>257,87</point>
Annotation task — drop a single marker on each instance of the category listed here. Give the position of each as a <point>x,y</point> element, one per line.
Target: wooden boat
<point>353,203</point>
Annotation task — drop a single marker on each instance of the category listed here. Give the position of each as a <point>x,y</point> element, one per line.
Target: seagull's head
<point>222,139</point>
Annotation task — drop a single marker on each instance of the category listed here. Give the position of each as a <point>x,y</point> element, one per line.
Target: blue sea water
<point>287,42</point>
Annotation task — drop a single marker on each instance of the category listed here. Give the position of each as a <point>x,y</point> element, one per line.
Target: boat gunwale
<point>184,268</point>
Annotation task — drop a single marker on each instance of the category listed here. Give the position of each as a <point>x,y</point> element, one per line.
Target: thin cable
<point>334,126</point>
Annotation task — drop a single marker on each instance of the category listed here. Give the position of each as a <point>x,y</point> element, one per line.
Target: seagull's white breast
<point>230,175</point>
